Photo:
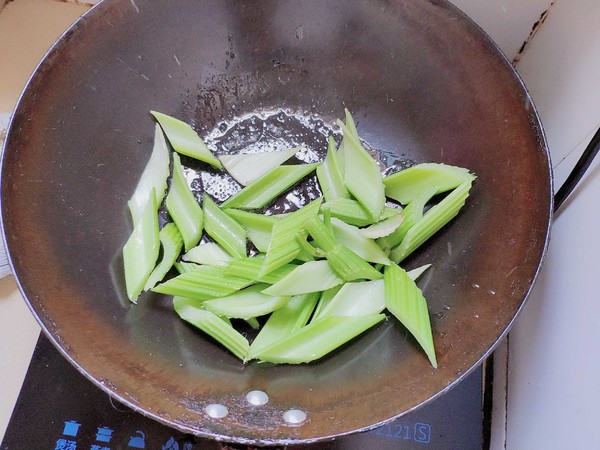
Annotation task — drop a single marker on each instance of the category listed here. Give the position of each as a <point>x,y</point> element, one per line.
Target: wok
<point>424,83</point>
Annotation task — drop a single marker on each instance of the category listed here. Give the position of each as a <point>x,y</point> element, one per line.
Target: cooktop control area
<point>59,409</point>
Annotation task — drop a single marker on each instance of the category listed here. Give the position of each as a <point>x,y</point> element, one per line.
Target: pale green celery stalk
<point>269,186</point>
<point>258,226</point>
<point>284,245</point>
<point>330,176</point>
<point>250,269</point>
<point>214,326</point>
<point>141,250</point>
<point>324,299</point>
<point>184,208</point>
<point>247,303</point>
<point>185,140</point>
<point>384,227</point>
<point>313,276</point>
<point>357,299</point>
<point>154,177</point>
<point>317,339</point>
<point>223,229</point>
<point>352,128</point>
<point>350,237</point>
<point>185,267</point>
<point>406,302</point>
<point>247,168</point>
<point>416,273</point>
<point>253,322</point>
<point>171,243</point>
<point>203,282</point>
<point>342,260</point>
<point>209,253</point>
<point>405,185</point>
<point>362,176</point>
<point>352,212</point>
<point>284,321</point>
<point>412,214</point>
<point>434,219</point>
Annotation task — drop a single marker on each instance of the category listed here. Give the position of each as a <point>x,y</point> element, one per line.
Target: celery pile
<point>316,277</point>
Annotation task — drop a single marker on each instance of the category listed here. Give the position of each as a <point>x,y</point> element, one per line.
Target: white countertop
<point>552,389</point>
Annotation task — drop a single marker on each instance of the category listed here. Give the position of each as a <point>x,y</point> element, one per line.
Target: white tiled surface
<point>552,384</point>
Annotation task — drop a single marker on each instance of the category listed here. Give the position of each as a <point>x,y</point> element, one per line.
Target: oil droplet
<point>216,411</point>
<point>492,292</point>
<point>475,286</point>
<point>257,398</point>
<point>294,417</point>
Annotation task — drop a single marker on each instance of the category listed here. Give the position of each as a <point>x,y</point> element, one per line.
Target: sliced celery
<point>330,176</point>
<point>223,229</point>
<point>313,276</point>
<point>185,267</point>
<point>384,227</point>
<point>253,322</point>
<point>247,303</point>
<point>202,283</point>
<point>357,299</point>
<point>214,326</point>
<point>269,186</point>
<point>171,243</point>
<point>247,168</point>
<point>141,250</point>
<point>412,214</point>
<point>416,273</point>
<point>209,253</point>
<point>317,339</point>
<point>350,237</point>
<point>184,208</point>
<point>324,299</point>
<point>351,125</point>
<point>250,268</point>
<point>185,140</point>
<point>434,219</point>
<point>154,176</point>
<point>342,260</point>
<point>284,321</point>
<point>352,212</point>
<point>284,245</point>
<point>405,185</point>
<point>406,302</point>
<point>258,226</point>
<point>362,175</point>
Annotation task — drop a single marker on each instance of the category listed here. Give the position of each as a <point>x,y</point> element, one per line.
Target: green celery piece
<point>155,176</point>
<point>185,267</point>
<point>324,299</point>
<point>405,185</point>
<point>313,276</point>
<point>269,186</point>
<point>249,167</point>
<point>361,298</point>
<point>406,302</point>
<point>258,226</point>
<point>352,212</point>
<point>362,176</point>
<point>416,273</point>
<point>223,229</point>
<point>203,282</point>
<point>284,321</point>
<point>384,227</point>
<point>247,303</point>
<point>351,125</point>
<point>284,245</point>
<point>250,268</point>
<point>317,339</point>
<point>434,219</point>
<point>184,208</point>
<point>253,322</point>
<point>350,236</point>
<point>141,250</point>
<point>185,140</point>
<point>172,243</point>
<point>209,253</point>
<point>330,176</point>
<point>342,260</point>
<point>214,326</point>
<point>412,214</point>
